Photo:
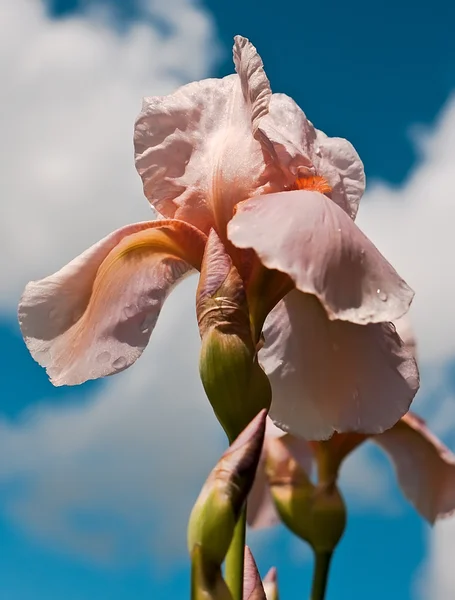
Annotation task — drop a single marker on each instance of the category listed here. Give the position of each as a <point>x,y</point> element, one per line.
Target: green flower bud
<point>207,582</point>
<point>236,385</point>
<point>252,584</point>
<point>218,507</point>
<point>315,513</point>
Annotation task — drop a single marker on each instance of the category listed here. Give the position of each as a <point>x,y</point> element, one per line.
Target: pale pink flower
<point>228,154</point>
<point>425,468</point>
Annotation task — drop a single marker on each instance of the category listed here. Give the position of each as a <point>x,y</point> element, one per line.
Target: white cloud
<point>71,90</point>
<point>436,580</point>
<point>121,471</point>
<point>413,226</point>
<point>117,477</point>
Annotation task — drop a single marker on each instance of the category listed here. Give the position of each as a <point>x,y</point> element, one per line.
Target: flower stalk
<point>235,559</point>
<point>217,521</point>
<point>321,574</point>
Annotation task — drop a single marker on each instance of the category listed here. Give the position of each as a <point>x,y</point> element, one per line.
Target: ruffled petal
<point>307,236</point>
<point>405,331</point>
<point>331,376</point>
<point>94,317</point>
<point>425,467</point>
<point>196,149</point>
<point>301,149</point>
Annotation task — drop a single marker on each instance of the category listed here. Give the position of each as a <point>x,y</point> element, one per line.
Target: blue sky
<point>96,481</point>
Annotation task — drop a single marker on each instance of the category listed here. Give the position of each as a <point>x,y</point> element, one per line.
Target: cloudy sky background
<point>96,482</point>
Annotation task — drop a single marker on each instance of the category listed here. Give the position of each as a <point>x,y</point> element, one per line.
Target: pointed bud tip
<point>252,585</point>
<point>255,430</point>
<point>272,576</point>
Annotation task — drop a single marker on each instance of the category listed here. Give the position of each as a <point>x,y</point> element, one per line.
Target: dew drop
<point>382,295</point>
<point>119,362</point>
<point>103,357</point>
<point>129,311</point>
<point>53,312</point>
<point>339,229</point>
<point>148,323</point>
<point>41,357</point>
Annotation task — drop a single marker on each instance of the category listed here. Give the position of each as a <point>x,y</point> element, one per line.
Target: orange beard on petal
<point>313,183</point>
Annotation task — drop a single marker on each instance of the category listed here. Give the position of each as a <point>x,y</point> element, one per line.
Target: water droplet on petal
<point>53,312</point>
<point>382,295</point>
<point>129,311</point>
<point>148,323</point>
<point>339,229</point>
<point>41,357</point>
<point>119,362</point>
<point>103,357</point>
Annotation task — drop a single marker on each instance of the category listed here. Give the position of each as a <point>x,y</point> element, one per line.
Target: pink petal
<point>196,149</point>
<point>331,376</point>
<point>425,467</point>
<point>406,333</point>
<point>261,512</point>
<point>252,584</point>
<point>303,150</point>
<point>94,317</point>
<point>307,236</point>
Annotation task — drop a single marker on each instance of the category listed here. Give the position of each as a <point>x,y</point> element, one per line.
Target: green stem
<point>235,558</point>
<point>321,574</point>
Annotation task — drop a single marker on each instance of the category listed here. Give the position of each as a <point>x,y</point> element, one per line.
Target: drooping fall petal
<point>425,467</point>
<point>94,317</point>
<point>310,238</point>
<point>196,149</point>
<point>331,376</point>
<point>301,149</point>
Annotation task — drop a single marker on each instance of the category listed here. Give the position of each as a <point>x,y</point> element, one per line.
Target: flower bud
<point>315,513</point>
<point>252,584</point>
<point>218,507</point>
<point>270,583</point>
<point>207,582</point>
<point>236,385</point>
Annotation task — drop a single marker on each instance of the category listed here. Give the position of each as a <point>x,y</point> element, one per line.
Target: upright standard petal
<point>303,150</point>
<point>310,238</point>
<point>196,149</point>
<point>331,376</point>
<point>94,317</point>
<point>425,467</point>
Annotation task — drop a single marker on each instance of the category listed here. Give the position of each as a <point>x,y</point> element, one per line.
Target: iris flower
<point>425,468</point>
<point>228,155</point>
